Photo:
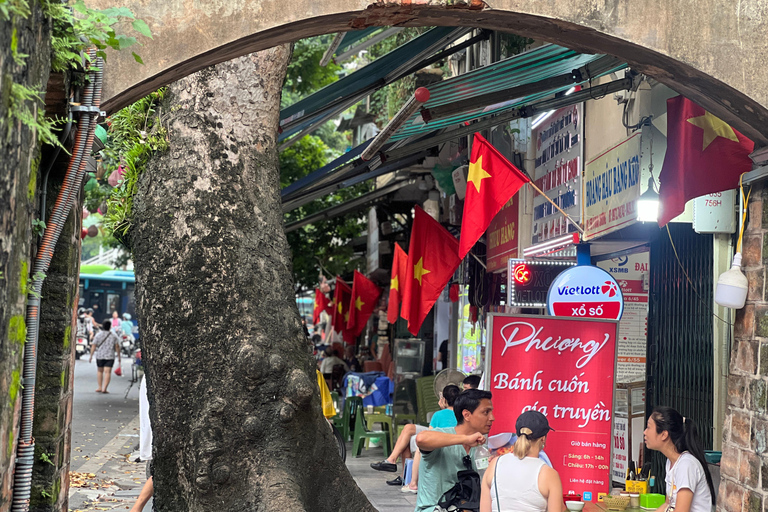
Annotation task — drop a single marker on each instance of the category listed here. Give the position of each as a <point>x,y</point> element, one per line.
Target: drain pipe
<point>25,454</point>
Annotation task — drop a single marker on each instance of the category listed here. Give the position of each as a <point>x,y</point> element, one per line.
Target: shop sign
<point>564,368</point>
<point>611,188</point>
<point>631,273</point>
<point>620,463</point>
<point>557,172</point>
<point>585,292</point>
<point>528,281</point>
<point>502,236</point>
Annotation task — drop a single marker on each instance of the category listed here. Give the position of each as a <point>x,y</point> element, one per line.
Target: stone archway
<point>709,53</point>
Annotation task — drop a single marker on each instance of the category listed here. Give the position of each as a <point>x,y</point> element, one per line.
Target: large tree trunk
<point>235,406</point>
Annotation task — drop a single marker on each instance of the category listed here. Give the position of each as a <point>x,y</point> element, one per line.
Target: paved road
<point>97,418</point>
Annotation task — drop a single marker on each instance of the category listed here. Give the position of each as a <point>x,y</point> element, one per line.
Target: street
<point>105,432</point>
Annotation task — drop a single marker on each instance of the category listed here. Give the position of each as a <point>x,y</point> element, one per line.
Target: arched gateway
<point>712,52</point>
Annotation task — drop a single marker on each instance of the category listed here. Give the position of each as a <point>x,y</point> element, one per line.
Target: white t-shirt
<point>687,473</point>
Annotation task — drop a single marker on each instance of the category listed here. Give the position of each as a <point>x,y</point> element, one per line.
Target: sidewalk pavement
<point>110,481</point>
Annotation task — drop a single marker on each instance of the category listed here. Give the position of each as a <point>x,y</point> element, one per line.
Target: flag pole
<point>478,260</point>
<point>537,189</point>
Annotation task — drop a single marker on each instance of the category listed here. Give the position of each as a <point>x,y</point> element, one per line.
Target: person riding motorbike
<point>84,333</point>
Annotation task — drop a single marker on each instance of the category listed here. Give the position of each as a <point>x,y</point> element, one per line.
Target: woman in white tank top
<point>520,481</point>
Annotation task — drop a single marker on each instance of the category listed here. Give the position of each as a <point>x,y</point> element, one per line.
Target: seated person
<point>444,418</point>
<point>331,359</point>
<point>406,441</point>
<point>471,382</point>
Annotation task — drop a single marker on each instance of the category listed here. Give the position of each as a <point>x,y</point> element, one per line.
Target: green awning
<point>354,36</point>
<point>334,98</point>
<point>534,66</point>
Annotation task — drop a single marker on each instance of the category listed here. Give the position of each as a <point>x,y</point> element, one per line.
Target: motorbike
<point>126,344</point>
<point>81,347</point>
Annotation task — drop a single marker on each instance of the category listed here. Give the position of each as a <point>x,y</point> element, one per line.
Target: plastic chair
<point>361,433</point>
<point>344,422</point>
<point>425,398</point>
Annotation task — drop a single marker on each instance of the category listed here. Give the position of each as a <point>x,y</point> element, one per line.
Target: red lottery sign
<point>564,368</point>
<point>585,292</point>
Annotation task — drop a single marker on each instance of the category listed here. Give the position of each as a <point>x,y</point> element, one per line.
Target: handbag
<point>119,371</point>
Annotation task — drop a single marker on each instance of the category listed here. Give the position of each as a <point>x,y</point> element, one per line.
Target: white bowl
<point>574,506</point>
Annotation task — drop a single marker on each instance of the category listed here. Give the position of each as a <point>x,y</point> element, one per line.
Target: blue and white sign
<point>585,292</point>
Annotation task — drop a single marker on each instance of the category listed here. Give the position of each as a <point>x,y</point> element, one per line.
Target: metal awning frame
<point>351,205</point>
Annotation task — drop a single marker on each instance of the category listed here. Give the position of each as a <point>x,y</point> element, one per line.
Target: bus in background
<point>112,290</point>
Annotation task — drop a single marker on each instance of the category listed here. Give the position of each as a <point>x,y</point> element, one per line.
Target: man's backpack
<point>464,496</point>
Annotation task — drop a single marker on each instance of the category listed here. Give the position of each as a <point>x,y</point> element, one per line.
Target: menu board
<point>564,368</point>
<point>629,272</point>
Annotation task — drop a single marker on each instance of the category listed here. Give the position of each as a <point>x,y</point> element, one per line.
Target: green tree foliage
<point>325,245</point>
<point>305,75</point>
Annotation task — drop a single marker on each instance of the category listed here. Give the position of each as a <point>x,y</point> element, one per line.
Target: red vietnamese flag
<point>320,301</point>
<point>399,264</point>
<point>365,296</point>
<point>432,260</point>
<point>341,306</point>
<point>704,155</point>
<point>491,182</point>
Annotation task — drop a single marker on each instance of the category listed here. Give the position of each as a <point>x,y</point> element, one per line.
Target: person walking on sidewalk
<point>104,346</point>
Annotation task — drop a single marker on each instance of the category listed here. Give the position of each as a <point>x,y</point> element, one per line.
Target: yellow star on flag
<point>476,173</point>
<point>395,284</point>
<point>346,316</point>
<point>713,127</point>
<point>340,308</point>
<point>317,301</point>
<point>359,303</point>
<point>419,270</point>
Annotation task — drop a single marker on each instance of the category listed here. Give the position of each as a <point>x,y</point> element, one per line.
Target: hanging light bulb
<point>648,204</point>
<point>732,286</point>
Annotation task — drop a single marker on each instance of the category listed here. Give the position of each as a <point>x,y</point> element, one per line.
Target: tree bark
<point>235,406</point>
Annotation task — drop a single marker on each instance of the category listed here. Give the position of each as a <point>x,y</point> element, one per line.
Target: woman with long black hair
<point>689,484</point>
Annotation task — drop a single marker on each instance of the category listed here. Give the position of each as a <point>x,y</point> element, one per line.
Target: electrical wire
<point>744,214</point>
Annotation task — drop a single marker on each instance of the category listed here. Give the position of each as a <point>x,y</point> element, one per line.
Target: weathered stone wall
<point>18,184</point>
<point>744,466</point>
<point>55,364</point>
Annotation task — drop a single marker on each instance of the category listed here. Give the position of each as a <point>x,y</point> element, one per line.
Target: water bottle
<point>482,456</point>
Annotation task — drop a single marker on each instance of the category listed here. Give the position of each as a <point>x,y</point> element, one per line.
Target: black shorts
<point>105,363</point>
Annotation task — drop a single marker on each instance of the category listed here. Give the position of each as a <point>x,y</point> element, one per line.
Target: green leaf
<point>142,28</point>
<point>137,58</point>
<point>80,7</point>
<point>115,12</point>
<point>125,41</point>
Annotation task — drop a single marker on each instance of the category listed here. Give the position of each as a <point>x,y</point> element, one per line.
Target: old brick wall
<point>744,466</point>
<point>19,159</point>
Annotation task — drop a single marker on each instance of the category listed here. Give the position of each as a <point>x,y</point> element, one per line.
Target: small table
<point>378,417</point>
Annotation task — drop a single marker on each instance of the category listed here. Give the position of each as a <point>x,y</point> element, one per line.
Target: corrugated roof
<point>527,68</point>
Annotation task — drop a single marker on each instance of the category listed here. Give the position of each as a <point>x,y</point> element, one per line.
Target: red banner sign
<point>502,236</point>
<point>564,368</point>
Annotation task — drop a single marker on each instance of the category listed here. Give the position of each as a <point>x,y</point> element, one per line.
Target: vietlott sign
<point>585,292</point>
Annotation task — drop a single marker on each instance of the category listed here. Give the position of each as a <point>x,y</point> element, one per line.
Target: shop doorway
<point>680,360</point>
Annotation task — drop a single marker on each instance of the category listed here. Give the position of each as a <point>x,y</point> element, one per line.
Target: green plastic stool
<point>361,433</point>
